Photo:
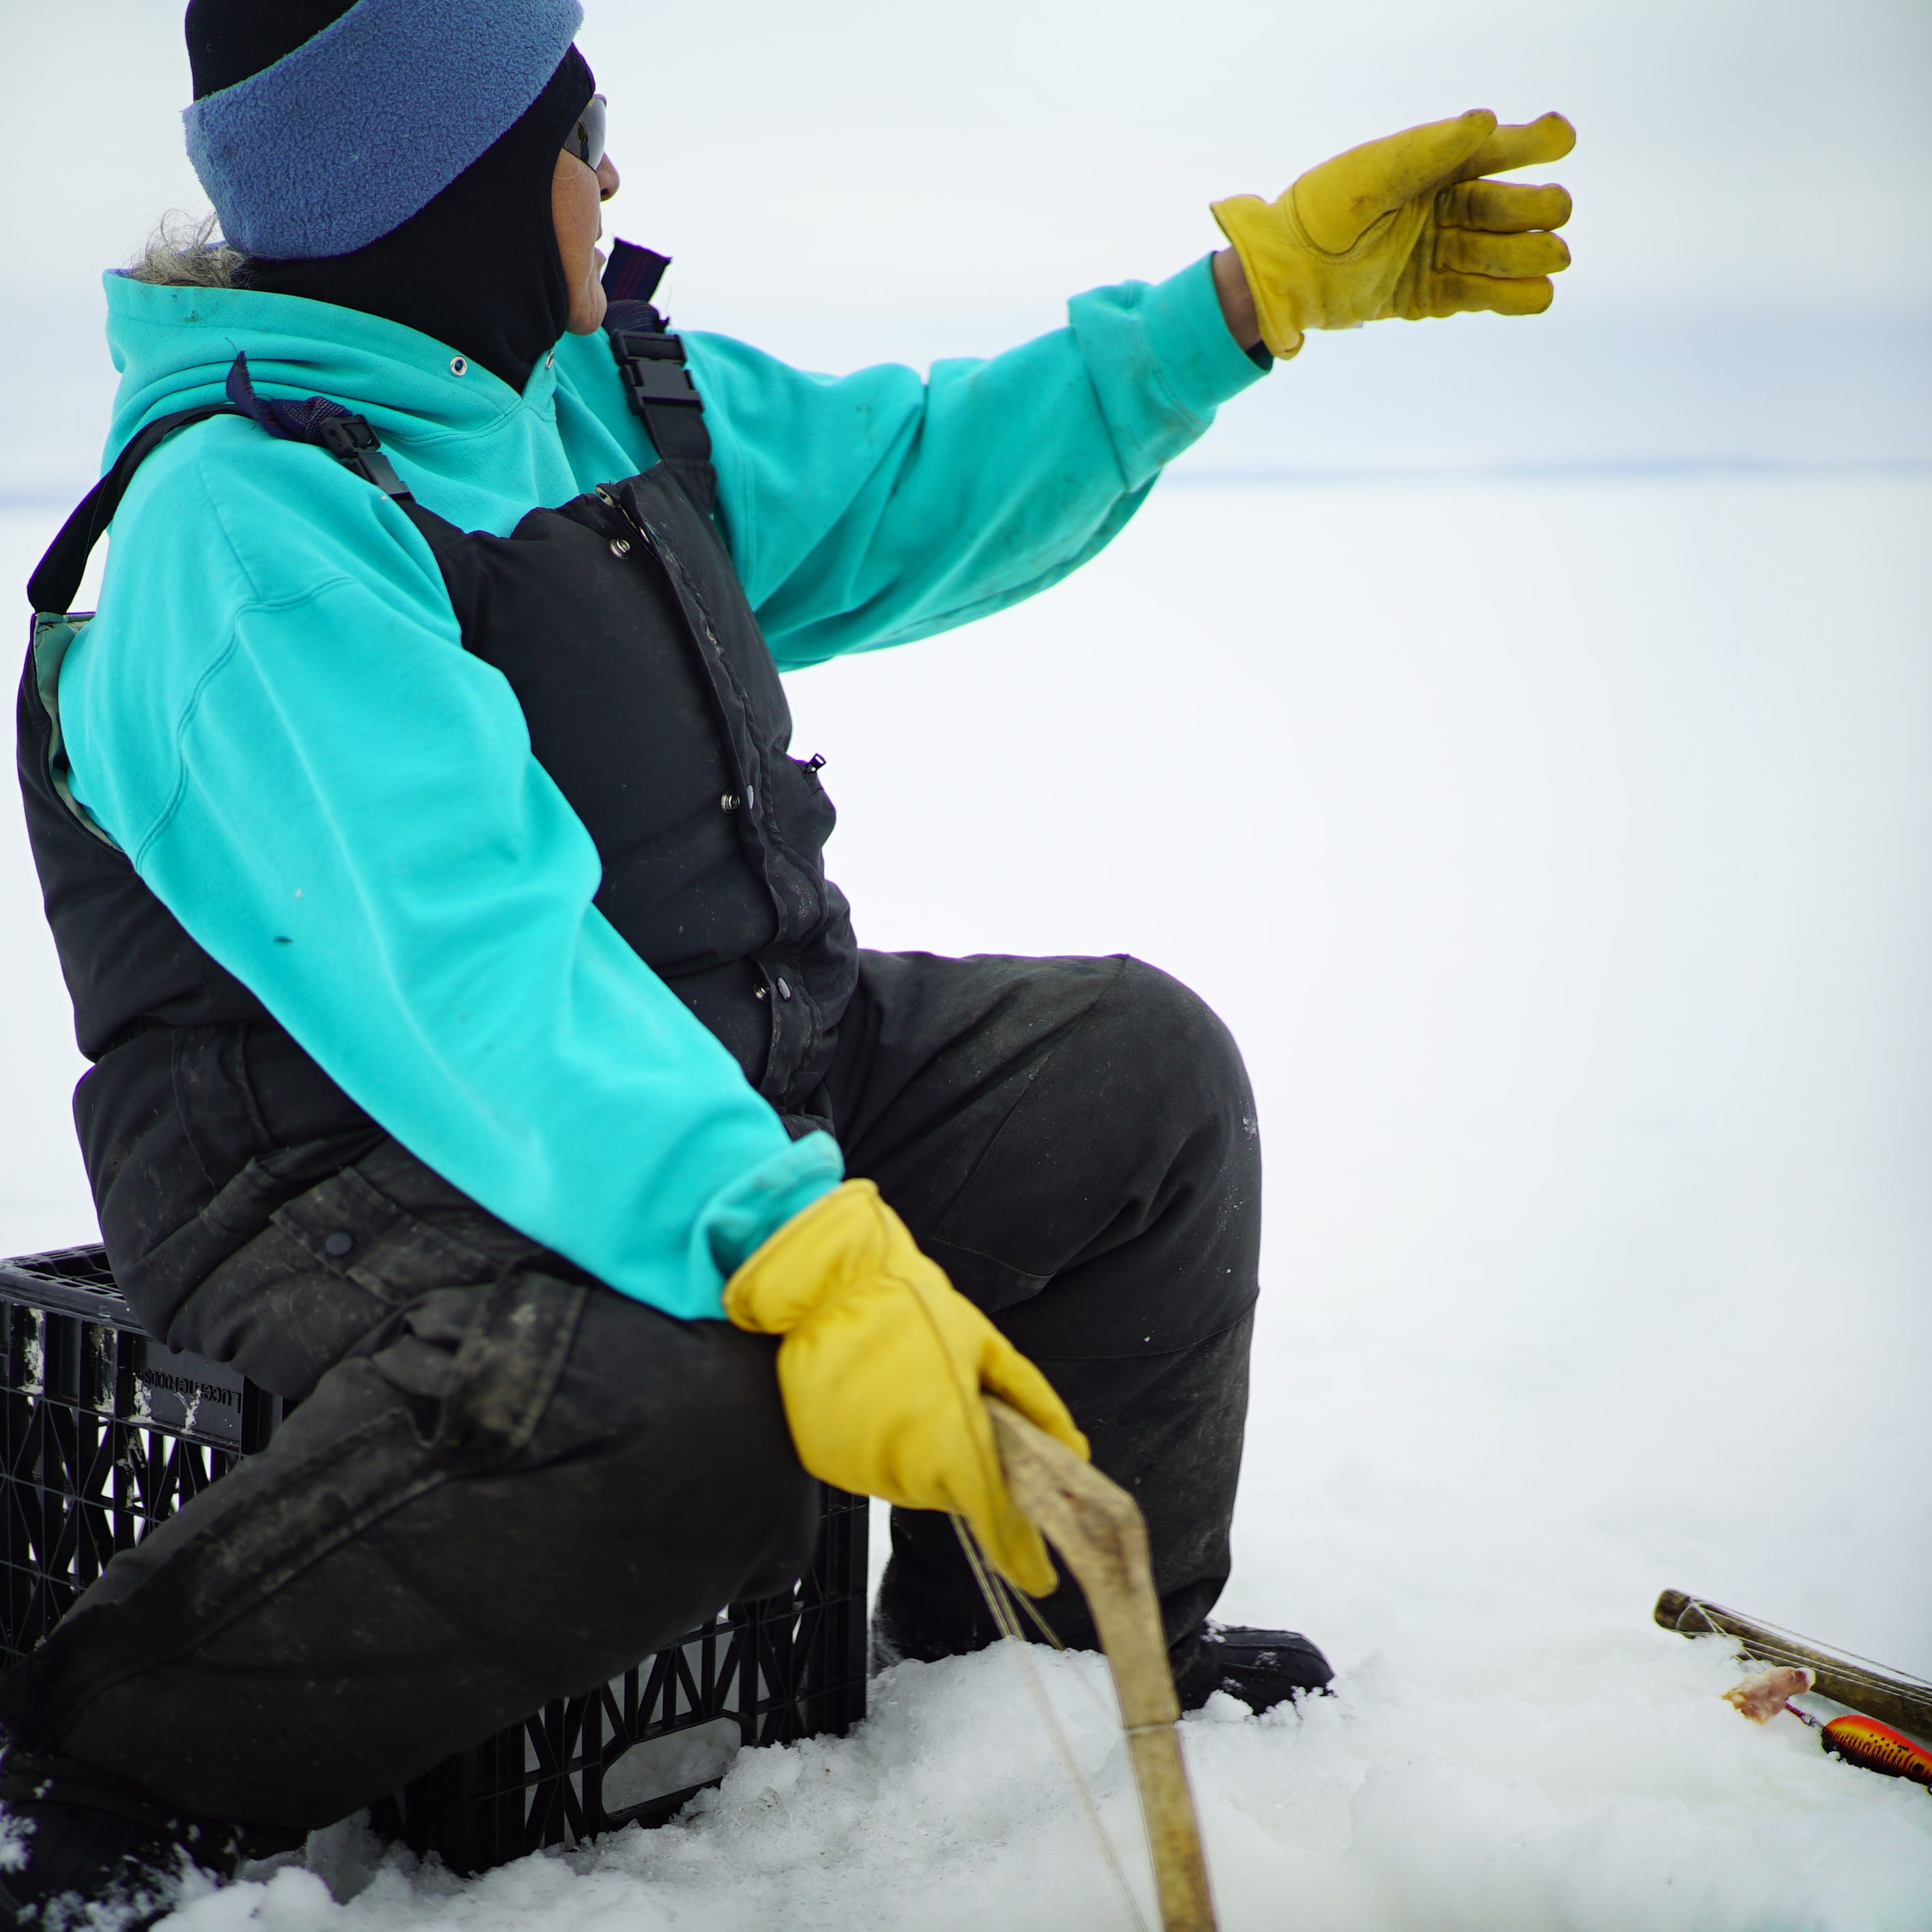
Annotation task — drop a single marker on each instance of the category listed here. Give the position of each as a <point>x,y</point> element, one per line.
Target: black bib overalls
<point>506,1482</point>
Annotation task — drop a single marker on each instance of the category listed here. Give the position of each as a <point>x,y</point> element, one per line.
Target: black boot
<point>80,1849</point>
<point>69,1863</point>
<point>1260,1667</point>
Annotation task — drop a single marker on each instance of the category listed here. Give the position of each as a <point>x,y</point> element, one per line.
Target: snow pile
<point>1598,1782</point>
<point>14,1834</point>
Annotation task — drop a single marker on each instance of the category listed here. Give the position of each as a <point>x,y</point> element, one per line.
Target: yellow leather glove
<point>881,1369</point>
<point>1405,227</point>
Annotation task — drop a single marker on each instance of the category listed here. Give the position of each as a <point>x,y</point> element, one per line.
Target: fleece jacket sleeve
<point>275,718</point>
<point>870,509</point>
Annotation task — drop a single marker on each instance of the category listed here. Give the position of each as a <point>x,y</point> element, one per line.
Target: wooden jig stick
<point>1097,1528</point>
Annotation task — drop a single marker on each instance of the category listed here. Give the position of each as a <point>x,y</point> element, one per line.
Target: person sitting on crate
<point>481,1058</point>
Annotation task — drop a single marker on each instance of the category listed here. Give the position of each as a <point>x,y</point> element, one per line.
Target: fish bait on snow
<point>1881,1699</point>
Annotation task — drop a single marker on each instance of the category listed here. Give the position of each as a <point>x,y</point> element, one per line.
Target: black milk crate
<point>105,1431</point>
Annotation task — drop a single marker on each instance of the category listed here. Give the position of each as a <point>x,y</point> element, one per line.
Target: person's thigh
<point>1085,1124</point>
<point>515,1486</point>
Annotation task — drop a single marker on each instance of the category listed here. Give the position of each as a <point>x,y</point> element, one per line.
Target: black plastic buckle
<point>655,380</point>
<point>353,443</point>
<point>652,345</point>
<point>348,436</point>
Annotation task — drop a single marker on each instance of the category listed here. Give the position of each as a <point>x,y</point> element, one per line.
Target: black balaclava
<point>478,266</point>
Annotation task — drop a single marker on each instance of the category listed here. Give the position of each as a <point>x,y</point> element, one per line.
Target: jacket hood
<point>482,454</point>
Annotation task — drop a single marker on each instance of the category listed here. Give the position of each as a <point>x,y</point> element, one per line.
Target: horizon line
<point>1182,475</point>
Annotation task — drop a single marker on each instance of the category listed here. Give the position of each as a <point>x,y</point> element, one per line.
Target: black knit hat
<point>229,40</point>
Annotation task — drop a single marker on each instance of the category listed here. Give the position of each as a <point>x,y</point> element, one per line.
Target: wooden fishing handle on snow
<point>1887,1695</point>
<point>1097,1528</point>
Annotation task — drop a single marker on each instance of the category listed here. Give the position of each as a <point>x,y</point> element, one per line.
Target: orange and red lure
<point>1864,1740</point>
<point>1857,1739</point>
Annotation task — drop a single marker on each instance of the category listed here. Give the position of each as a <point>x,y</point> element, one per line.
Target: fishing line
<point>999,1602</point>
<point>1887,1679</point>
<point>1020,1599</point>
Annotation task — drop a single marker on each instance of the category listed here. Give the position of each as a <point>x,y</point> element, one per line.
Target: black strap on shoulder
<point>345,436</point>
<point>650,360</point>
<point>55,582</point>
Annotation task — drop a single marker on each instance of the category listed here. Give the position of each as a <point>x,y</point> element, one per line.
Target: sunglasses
<point>586,140</point>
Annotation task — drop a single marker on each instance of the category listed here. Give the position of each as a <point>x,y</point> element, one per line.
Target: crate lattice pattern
<point>105,1432</point>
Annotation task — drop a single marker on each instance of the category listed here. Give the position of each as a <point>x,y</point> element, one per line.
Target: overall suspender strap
<point>55,582</point>
<point>661,390</point>
<point>345,436</point>
<point>650,360</point>
<point>348,437</point>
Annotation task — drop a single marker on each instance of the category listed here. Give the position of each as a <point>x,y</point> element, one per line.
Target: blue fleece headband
<point>348,136</point>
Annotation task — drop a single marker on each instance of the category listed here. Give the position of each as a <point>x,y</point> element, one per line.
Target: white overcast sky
<point>1732,151</point>
<point>856,178</point>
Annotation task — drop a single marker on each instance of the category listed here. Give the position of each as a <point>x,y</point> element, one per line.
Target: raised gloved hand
<point>1405,227</point>
<point>882,1367</point>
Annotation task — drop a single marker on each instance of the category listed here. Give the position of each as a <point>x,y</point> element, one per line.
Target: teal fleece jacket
<point>273,715</point>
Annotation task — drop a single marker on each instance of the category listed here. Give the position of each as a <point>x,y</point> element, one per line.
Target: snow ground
<point>1557,852</point>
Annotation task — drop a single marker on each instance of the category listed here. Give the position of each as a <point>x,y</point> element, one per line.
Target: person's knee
<point>1177,1051</point>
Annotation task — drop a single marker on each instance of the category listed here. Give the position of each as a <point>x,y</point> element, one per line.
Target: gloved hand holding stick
<point>896,1386</point>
